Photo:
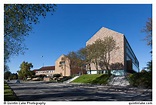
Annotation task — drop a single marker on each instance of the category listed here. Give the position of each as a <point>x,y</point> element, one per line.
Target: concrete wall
<point>117,56</point>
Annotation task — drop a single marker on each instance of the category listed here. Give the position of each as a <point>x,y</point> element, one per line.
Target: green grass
<point>92,78</point>
<point>8,93</point>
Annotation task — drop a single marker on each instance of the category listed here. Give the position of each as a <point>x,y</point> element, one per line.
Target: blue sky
<point>72,25</point>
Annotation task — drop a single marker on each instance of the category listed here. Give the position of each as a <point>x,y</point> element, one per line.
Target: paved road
<point>42,91</point>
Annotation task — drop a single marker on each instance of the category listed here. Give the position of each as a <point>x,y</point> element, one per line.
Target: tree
<point>7,74</point>
<point>93,52</point>
<point>82,59</point>
<point>107,46</point>
<point>13,76</point>
<point>99,52</point>
<point>77,60</point>
<point>74,61</point>
<point>148,30</point>
<point>149,66</point>
<point>25,71</point>
<point>72,56</point>
<point>18,21</point>
<point>6,68</point>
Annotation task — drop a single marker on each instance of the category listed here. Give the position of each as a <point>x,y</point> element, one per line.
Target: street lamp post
<point>43,61</point>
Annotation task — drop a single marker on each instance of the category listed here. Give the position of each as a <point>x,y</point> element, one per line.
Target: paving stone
<point>41,91</point>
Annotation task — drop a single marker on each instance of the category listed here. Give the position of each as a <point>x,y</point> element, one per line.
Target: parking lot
<point>44,91</point>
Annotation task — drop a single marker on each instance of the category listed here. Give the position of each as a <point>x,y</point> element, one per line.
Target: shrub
<point>65,78</point>
<point>57,75</point>
<point>53,81</point>
<point>143,79</point>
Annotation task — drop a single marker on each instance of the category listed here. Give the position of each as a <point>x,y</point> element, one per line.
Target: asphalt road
<point>43,91</point>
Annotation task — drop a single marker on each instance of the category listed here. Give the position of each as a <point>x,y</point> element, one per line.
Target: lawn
<point>92,78</point>
<point>8,93</point>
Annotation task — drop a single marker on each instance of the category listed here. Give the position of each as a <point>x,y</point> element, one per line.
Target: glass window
<point>135,68</point>
<point>131,53</point>
<point>131,56</point>
<point>62,62</point>
<point>128,58</point>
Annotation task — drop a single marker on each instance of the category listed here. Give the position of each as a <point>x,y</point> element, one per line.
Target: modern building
<point>62,66</point>
<point>46,70</point>
<point>122,60</point>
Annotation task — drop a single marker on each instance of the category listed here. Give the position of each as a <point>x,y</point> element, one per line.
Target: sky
<point>72,25</point>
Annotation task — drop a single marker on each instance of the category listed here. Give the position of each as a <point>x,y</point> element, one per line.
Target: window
<point>62,62</point>
<point>135,68</point>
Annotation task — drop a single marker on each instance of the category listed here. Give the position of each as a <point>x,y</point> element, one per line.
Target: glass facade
<point>131,60</point>
<point>114,72</point>
<point>92,71</point>
<point>118,72</point>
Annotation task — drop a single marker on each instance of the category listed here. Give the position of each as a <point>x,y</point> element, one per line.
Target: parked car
<point>28,79</point>
<point>17,81</point>
<point>36,79</point>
